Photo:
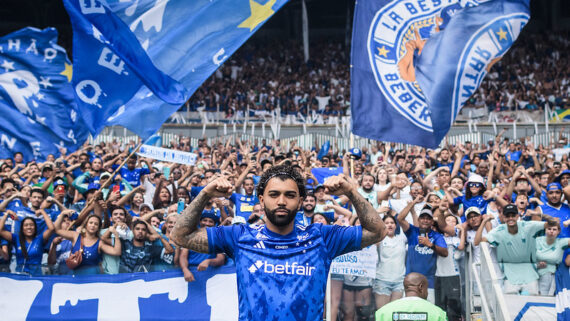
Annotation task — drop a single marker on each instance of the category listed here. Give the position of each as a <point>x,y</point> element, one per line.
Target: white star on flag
<point>40,96</point>
<point>8,65</point>
<point>45,82</point>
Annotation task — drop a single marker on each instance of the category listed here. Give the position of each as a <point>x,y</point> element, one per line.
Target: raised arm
<point>155,235</point>
<point>373,229</point>
<point>479,235</point>
<point>66,234</point>
<point>185,232</point>
<point>3,233</point>
<point>49,224</point>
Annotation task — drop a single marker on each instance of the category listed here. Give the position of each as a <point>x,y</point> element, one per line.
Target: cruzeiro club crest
<point>398,34</point>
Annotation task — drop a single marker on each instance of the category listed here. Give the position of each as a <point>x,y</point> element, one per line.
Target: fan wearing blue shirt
<point>131,173</point>
<point>244,202</point>
<point>424,245</point>
<point>555,208</point>
<point>281,268</point>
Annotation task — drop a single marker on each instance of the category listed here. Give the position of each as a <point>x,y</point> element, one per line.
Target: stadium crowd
<point>435,204</point>
<point>262,78</point>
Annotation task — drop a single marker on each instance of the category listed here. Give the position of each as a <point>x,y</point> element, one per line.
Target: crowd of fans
<point>435,204</point>
<point>262,78</point>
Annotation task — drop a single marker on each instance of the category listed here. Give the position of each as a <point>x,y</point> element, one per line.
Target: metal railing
<point>493,304</point>
<point>309,140</point>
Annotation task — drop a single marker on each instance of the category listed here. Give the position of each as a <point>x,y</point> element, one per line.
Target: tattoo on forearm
<point>368,217</point>
<point>185,232</point>
<point>369,238</point>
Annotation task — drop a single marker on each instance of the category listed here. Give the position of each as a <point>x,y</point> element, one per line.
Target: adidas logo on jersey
<point>290,269</point>
<point>259,245</point>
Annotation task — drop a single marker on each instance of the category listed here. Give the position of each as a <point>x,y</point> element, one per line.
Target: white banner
<point>358,263</point>
<point>168,155</point>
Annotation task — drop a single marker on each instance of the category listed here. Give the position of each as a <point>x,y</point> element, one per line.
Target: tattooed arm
<point>373,230</point>
<point>185,232</point>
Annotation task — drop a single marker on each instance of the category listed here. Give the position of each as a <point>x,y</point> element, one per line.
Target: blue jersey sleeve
<point>413,231</point>
<point>458,200</point>
<point>195,190</point>
<point>144,171</point>
<point>222,239</point>
<point>438,240</point>
<point>341,239</point>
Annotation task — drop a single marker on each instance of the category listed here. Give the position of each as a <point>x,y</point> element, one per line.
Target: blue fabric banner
<point>562,293</point>
<point>39,115</point>
<point>159,52</point>
<point>135,296</point>
<point>416,63</point>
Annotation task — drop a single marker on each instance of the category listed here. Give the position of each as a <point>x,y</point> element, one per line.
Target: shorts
<point>354,288</point>
<point>530,288</point>
<point>546,284</point>
<point>386,287</point>
<point>337,277</point>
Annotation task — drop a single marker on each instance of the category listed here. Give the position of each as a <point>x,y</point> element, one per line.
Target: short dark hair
<point>282,172</point>
<point>6,181</point>
<point>38,190</point>
<point>138,222</point>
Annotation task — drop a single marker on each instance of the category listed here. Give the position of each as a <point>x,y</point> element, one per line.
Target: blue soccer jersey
<point>422,259</point>
<point>283,277</point>
<point>244,204</point>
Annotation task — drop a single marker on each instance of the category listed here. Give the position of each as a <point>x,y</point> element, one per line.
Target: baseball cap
<point>58,182</point>
<point>559,177</point>
<point>212,216</point>
<point>553,187</point>
<point>105,174</point>
<point>319,186</point>
<point>472,210</point>
<point>510,209</point>
<point>146,205</point>
<point>426,211</point>
<point>356,152</point>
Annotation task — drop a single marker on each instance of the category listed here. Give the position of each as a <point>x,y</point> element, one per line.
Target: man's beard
<point>367,190</point>
<point>308,211</point>
<point>280,221</point>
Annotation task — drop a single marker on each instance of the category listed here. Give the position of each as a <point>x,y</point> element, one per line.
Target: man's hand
<point>219,187</point>
<point>339,185</point>
<point>541,265</point>
<point>418,199</point>
<point>203,266</point>
<point>188,276</point>
<point>424,240</point>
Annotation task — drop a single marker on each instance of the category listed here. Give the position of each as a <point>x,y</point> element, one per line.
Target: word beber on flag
<point>415,63</point>
<point>137,62</point>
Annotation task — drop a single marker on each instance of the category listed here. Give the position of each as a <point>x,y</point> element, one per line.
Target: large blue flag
<point>415,63</point>
<point>137,62</point>
<point>39,115</point>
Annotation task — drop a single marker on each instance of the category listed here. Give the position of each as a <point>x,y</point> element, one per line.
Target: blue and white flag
<point>416,63</point>
<point>128,296</point>
<point>39,115</point>
<point>562,293</point>
<point>136,62</point>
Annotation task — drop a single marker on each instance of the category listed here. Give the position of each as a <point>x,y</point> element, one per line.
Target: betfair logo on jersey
<point>289,269</point>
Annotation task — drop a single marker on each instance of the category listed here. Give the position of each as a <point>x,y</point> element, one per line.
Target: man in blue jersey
<point>131,173</point>
<point>244,202</point>
<point>424,245</point>
<point>281,268</point>
<point>555,208</point>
